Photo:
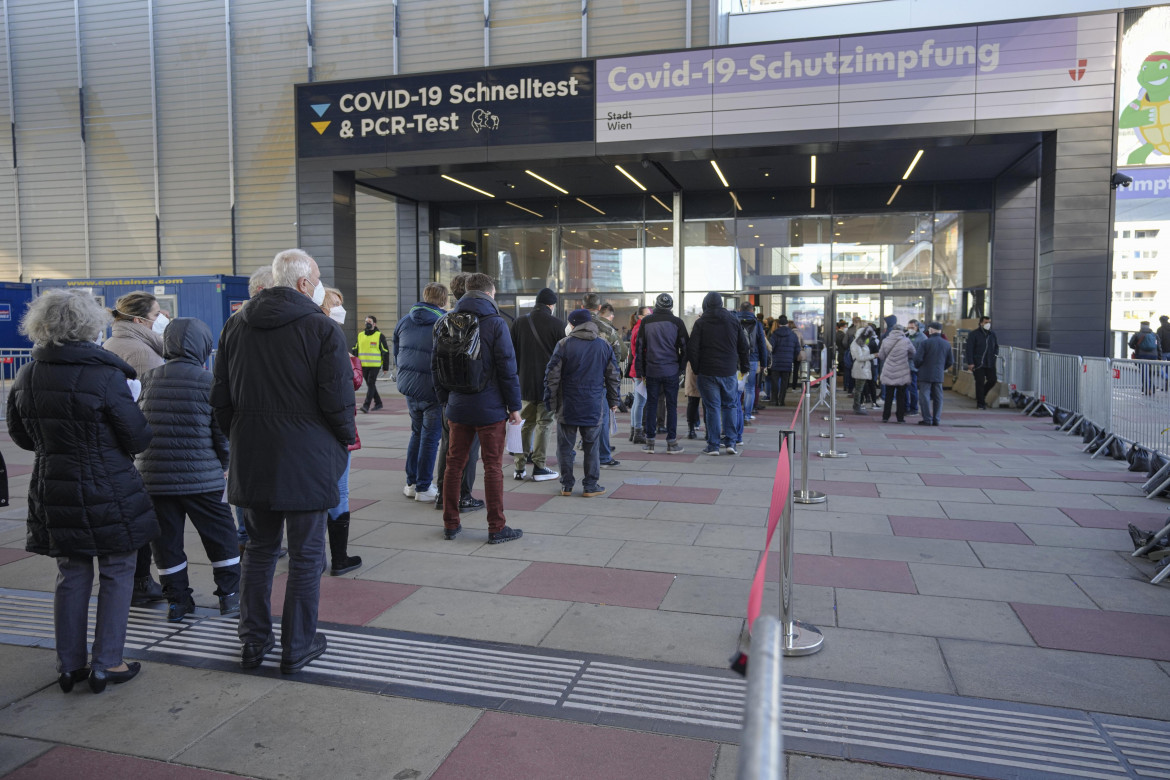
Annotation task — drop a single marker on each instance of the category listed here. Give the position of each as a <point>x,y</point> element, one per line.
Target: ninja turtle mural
<point>1149,113</point>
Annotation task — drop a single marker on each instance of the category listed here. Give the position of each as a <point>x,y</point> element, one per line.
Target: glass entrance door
<point>808,312</point>
<point>874,306</point>
<point>907,306</point>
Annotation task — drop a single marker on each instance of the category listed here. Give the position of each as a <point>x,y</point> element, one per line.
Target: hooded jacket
<point>414,342</point>
<point>71,407</point>
<point>189,452</point>
<point>753,329</point>
<point>607,331</point>
<point>785,349</point>
<point>283,394</point>
<point>137,344</point>
<point>933,358</point>
<point>895,354</point>
<point>662,345</point>
<point>582,372</point>
<point>1164,337</point>
<point>533,350</point>
<point>863,356</point>
<point>717,346</point>
<point>502,394</point>
<point>1137,340</point>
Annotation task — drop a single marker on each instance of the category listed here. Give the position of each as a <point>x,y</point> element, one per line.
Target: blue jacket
<point>785,349</point>
<point>933,358</point>
<point>414,343</point>
<point>582,373</point>
<point>502,394</point>
<point>757,341</point>
<point>662,346</point>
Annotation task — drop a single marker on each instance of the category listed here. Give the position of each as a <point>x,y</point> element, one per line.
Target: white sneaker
<point>430,494</point>
<point>409,491</point>
<point>729,450</point>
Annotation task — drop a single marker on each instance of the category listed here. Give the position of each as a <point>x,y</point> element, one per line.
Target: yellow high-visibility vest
<point>369,349</point>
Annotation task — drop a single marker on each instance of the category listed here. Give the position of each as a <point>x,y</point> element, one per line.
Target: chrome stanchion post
<point>832,392</point>
<point>832,435</point>
<point>799,638</point>
<point>804,495</point>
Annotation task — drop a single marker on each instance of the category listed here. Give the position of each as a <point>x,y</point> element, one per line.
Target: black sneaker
<point>541,474</point>
<point>146,591</point>
<point>229,605</point>
<point>505,534</point>
<point>451,533</point>
<point>470,504</point>
<point>253,655</point>
<point>519,475</point>
<point>316,649</point>
<point>177,610</point>
<point>593,492</point>
<point>609,464</point>
<point>648,446</point>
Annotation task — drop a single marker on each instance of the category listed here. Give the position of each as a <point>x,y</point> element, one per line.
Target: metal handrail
<point>761,751</point>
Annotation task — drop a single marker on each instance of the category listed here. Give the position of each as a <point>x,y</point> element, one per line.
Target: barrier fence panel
<point>1095,390</point>
<point>11,361</point>
<point>1140,412</point>
<point>1022,369</point>
<point>1060,380</point>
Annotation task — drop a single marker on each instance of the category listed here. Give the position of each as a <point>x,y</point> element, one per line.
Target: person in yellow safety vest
<point>372,350</point>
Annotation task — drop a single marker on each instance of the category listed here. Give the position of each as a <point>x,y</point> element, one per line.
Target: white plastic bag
<point>640,387</point>
<point>513,442</point>
<point>613,423</point>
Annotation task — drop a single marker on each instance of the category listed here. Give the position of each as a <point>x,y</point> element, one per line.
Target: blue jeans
<point>931,401</point>
<point>566,438</point>
<point>664,389</point>
<point>604,451</point>
<point>719,403</point>
<point>426,428</point>
<point>342,489</point>
<point>639,405</point>
<point>749,389</point>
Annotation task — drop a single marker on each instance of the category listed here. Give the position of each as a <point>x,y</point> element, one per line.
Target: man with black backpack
<point>1144,344</point>
<point>534,337</point>
<point>474,368</point>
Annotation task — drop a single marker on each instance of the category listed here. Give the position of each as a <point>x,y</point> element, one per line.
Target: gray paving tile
<point>733,484</point>
<point>1097,487</point>
<point>1083,681</point>
<point>887,506</point>
<point>1075,536</point>
<point>641,529</point>
<point>1052,559</point>
<point>727,596</point>
<point>463,572</point>
<point>1057,590</point>
<point>1007,514</point>
<point>875,477</point>
<point>611,507</point>
<point>18,751</point>
<point>413,536</point>
<point>1125,595</point>
<point>487,616</point>
<point>927,493</point>
<point>654,634</point>
<point>903,548</point>
<point>1136,504</point>
<point>541,522</point>
<point>685,559</point>
<point>315,732</point>
<point>931,616</point>
<point>727,763</point>
<point>745,538</point>
<point>849,522</point>
<point>706,513</point>
<point>27,670</point>
<point>36,573</point>
<point>739,498</point>
<point>173,704</point>
<point>919,466</point>
<point>554,549</point>
<point>875,658</point>
<point>708,466</point>
<point>1047,499</point>
<point>802,767</point>
<point>981,469</point>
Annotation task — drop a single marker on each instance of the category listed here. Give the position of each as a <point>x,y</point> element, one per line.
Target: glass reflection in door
<point>808,312</point>
<point>905,307</point>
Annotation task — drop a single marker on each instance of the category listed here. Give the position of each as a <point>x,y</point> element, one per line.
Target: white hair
<point>290,266</point>
<point>260,279</point>
<point>61,316</point>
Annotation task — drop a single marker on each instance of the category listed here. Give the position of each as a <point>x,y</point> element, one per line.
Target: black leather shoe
<point>470,504</point>
<point>67,679</point>
<point>451,533</point>
<point>253,654</point>
<point>319,645</point>
<point>99,677</point>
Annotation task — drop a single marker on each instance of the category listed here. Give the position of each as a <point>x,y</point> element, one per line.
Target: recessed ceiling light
<point>518,206</point>
<point>626,173</point>
<point>657,200</point>
<point>812,170</point>
<point>896,191</point>
<point>590,205</point>
<point>719,173</point>
<point>540,178</point>
<point>465,184</point>
<point>913,162</point>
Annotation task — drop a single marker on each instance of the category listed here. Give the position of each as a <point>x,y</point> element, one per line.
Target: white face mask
<point>337,314</point>
<point>987,326</point>
<point>160,323</point>
<point>911,331</point>
<point>319,293</point>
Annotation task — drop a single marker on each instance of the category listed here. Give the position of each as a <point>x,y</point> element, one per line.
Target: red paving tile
<point>966,481</point>
<point>591,585</point>
<point>856,573</point>
<point>915,437</point>
<point>829,488</point>
<point>689,455</point>
<point>503,746</point>
<point>966,530</point>
<point>384,464</point>
<point>1130,634</point>
<point>1014,451</point>
<point>343,600</point>
<point>360,503</point>
<point>1111,518</point>
<point>10,554</point>
<point>679,495</point>
<point>1104,476</point>
<point>771,454</point>
<point>527,502</point>
<point>64,761</point>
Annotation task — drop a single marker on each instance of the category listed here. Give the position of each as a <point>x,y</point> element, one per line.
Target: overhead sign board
<point>993,71</point>
<point>550,103</point>
<point>1148,184</point>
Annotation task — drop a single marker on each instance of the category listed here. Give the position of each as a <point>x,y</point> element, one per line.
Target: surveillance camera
<point>645,163</point>
<point>1119,179</point>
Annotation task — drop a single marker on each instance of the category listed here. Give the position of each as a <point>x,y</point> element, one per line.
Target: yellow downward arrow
<point>320,126</point>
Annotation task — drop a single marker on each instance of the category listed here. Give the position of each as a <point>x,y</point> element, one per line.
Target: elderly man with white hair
<point>283,394</point>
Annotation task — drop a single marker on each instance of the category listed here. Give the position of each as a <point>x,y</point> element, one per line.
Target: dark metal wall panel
<point>352,39</point>
<point>1013,265</point>
<point>9,253</point>
<point>415,268</point>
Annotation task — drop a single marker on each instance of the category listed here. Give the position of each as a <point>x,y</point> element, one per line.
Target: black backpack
<point>459,366</point>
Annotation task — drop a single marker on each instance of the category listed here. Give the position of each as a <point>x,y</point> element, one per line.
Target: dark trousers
<point>931,401</point>
<point>778,382</point>
<point>899,393</point>
<point>867,393</point>
<point>302,593</point>
<point>370,375</point>
<point>912,394</point>
<point>71,609</point>
<point>591,462</point>
<point>661,389</point>
<point>491,438</point>
<point>694,404</point>
<point>213,522</point>
<point>142,563</point>
<point>985,380</point>
<point>441,464</point>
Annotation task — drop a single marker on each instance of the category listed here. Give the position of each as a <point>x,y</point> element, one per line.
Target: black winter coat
<point>283,394</point>
<point>189,453</point>
<point>582,375</point>
<point>717,346</point>
<point>533,350</point>
<point>71,406</point>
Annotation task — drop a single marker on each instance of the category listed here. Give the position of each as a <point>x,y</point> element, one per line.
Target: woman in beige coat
<point>691,390</point>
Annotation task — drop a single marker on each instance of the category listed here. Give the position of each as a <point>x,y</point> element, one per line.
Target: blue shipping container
<point>14,298</point>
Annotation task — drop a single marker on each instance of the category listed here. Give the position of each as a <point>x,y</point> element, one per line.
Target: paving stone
<point>888,506</point>
<point>817,768</point>
<point>833,571</point>
<point>705,640</point>
<point>487,616</point>
<point>1058,678</point>
<point>504,746</point>
<point>63,761</point>
<point>1046,499</point>
<point>712,595</point>
<point>1111,633</point>
<point>1090,538</point>
<point>316,736</point>
<point>26,670</point>
<point>873,477</point>
<point>727,763</point>
<point>932,616</point>
<point>16,751</point>
<point>1006,514</point>
<point>1085,486</point>
<point>36,573</point>
<point>10,554</point>
<point>875,658</point>
<point>753,516</point>
<point>1054,559</point>
<point>541,522</point>
<point>612,507</point>
<point>967,495</point>
<point>998,585</point>
<point>445,571</point>
<point>173,704</point>
<point>591,584</point>
<point>850,522</point>
<point>685,559</point>
<point>1111,518</point>
<point>671,493</point>
<point>1016,471</point>
<point>345,600</point>
<point>1136,504</point>
<point>903,548</point>
<point>898,466</point>
<point>955,481</point>
<point>1107,476</point>
<point>1123,595</point>
<point>971,530</point>
<point>554,549</point>
<point>412,536</point>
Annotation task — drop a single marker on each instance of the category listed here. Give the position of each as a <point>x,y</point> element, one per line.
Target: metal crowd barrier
<point>1095,391</point>
<point>1140,410</point>
<point>1059,383</point>
<point>11,361</point>
<point>1023,368</point>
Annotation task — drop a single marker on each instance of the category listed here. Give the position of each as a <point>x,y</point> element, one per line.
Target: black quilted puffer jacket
<point>71,406</point>
<point>188,453</point>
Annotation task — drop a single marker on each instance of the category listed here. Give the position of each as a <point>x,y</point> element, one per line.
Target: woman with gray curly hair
<point>71,406</point>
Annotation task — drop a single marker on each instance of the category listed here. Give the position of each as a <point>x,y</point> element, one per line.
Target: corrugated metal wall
<point>352,39</point>
<point>9,263</point>
<point>440,35</point>
<point>648,25</point>
<point>535,30</point>
<point>377,261</point>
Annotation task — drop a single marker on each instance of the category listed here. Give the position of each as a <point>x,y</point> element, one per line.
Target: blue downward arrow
<point>321,108</point>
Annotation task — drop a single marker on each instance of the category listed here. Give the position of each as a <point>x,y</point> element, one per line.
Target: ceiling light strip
<point>812,198</point>
<point>913,162</point>
<point>590,205</point>
<point>719,173</point>
<point>658,200</point>
<point>540,178</point>
<point>468,186</point>
<point>896,190</point>
<point>518,206</point>
<point>626,173</point>
<point>812,173</point>
<point>735,200</point>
